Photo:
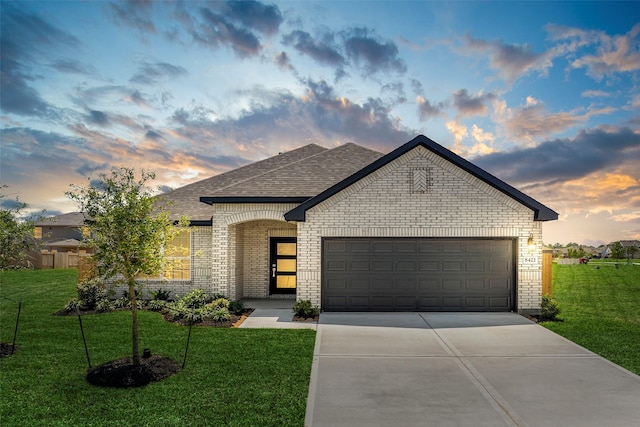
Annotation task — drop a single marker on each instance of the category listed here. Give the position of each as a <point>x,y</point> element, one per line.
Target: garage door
<point>385,274</point>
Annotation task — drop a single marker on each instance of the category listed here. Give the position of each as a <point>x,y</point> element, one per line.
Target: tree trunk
<point>134,321</point>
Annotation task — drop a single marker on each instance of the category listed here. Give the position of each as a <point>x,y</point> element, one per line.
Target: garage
<point>418,274</point>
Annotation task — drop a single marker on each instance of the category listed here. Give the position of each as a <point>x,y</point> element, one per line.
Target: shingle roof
<point>72,219</point>
<point>541,212</point>
<point>299,174</point>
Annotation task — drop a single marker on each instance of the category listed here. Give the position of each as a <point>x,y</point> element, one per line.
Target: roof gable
<point>541,212</point>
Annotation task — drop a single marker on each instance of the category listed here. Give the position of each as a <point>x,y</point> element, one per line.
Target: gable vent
<point>420,180</point>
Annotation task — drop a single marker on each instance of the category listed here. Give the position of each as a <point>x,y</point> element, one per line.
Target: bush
<point>195,299</point>
<point>549,309</point>
<point>220,303</point>
<point>161,295</point>
<point>104,305</point>
<point>236,307</point>
<point>90,293</point>
<point>303,308</point>
<point>72,305</point>
<point>156,305</point>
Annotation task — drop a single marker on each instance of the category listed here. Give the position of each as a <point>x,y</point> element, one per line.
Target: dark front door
<point>283,265</point>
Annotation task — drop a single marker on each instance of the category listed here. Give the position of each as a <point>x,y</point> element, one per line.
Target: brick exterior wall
<point>439,200</point>
<point>200,268</point>
<point>240,246</point>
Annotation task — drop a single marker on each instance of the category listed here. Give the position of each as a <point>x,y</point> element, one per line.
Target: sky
<point>543,95</point>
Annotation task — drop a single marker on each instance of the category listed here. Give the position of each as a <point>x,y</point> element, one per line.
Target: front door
<point>283,265</point>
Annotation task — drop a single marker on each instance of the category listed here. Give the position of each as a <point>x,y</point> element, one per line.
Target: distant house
<point>352,229</point>
<point>62,234</point>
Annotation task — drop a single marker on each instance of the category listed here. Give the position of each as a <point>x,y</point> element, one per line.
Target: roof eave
<point>253,199</point>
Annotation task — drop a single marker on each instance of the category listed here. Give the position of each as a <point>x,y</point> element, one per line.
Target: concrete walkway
<point>273,313</point>
<point>442,369</point>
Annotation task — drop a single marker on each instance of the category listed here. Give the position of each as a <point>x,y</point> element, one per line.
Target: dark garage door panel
<point>417,275</point>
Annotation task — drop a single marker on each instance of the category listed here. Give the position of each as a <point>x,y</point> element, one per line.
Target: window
<point>37,232</point>
<point>177,259</point>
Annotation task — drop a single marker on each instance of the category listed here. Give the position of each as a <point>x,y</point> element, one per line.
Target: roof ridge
<point>235,170</point>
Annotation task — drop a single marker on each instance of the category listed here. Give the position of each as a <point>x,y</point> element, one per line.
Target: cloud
<point>26,38</point>
<point>595,94</point>
<point>72,66</point>
<point>150,73</point>
<point>468,105</point>
<point>324,51</point>
<point>614,54</point>
<point>510,60</point>
<point>566,159</point>
<point>98,117</point>
<point>374,55</point>
<point>135,14</point>
<point>426,110</point>
<point>282,121</point>
<point>234,24</point>
<point>252,14</point>
<point>283,61</point>
<point>534,121</point>
<point>357,47</point>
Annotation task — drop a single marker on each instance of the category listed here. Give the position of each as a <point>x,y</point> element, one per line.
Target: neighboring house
<point>629,244</point>
<point>60,228</point>
<point>60,234</point>
<point>351,229</point>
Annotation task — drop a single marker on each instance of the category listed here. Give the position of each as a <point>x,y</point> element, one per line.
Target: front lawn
<point>601,310</point>
<point>232,377</point>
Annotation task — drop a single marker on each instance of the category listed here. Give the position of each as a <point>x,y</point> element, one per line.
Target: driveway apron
<point>467,369</point>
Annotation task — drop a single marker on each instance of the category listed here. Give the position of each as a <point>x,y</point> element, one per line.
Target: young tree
<point>127,234</point>
<point>17,237</point>
<point>617,250</point>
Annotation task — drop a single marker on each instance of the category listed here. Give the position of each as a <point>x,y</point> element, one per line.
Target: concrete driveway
<point>443,369</point>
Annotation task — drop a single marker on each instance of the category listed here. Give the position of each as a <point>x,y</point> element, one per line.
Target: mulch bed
<point>305,319</point>
<point>122,372</point>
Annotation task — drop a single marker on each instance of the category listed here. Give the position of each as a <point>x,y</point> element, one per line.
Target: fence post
<point>547,271</point>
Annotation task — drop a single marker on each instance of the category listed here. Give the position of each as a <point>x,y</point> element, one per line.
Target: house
<point>60,228</point>
<point>60,237</point>
<point>351,229</point>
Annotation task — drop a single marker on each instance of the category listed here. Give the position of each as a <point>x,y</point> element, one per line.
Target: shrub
<point>219,314</point>
<point>220,303</point>
<point>156,305</point>
<point>195,299</point>
<point>161,295</point>
<point>124,302</point>
<point>72,305</point>
<point>549,309</point>
<point>104,305</point>
<point>303,308</point>
<point>90,293</point>
<point>236,307</point>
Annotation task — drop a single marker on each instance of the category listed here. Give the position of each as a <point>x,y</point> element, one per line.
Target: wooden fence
<point>81,261</point>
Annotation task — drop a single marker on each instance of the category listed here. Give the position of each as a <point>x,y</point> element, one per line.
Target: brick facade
<point>450,203</point>
<point>418,194</point>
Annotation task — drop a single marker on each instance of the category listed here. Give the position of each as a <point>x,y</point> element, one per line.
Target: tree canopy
<point>127,230</point>
<point>17,239</point>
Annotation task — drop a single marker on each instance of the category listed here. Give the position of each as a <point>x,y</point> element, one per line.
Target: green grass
<point>232,377</point>
<point>600,310</point>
